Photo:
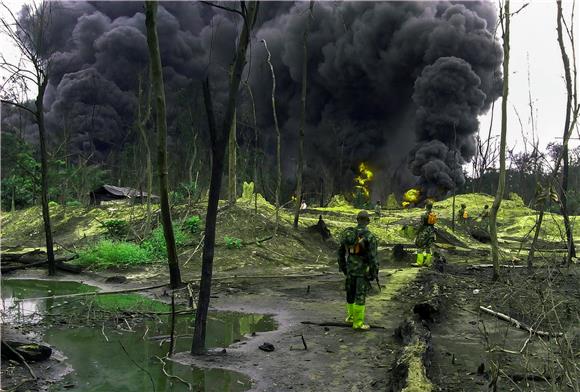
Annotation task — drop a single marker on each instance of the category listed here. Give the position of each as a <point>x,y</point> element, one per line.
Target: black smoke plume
<point>385,79</point>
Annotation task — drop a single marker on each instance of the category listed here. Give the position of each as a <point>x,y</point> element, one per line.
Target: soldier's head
<point>429,206</point>
<point>363,218</point>
<point>463,205</point>
<point>485,207</point>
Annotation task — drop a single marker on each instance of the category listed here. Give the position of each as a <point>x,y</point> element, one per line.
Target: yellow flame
<point>413,195</point>
<point>362,180</point>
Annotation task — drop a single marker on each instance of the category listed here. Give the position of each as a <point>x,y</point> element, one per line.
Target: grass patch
<point>108,253</point>
<point>155,244</point>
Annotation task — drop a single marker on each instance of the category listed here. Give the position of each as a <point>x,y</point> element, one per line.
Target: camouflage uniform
<point>425,239</point>
<point>461,213</point>
<point>484,215</point>
<point>378,211</point>
<point>357,259</point>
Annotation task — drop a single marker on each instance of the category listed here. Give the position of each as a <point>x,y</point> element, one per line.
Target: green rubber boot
<point>428,258</point>
<point>349,316</point>
<point>359,318</point>
<point>420,258</point>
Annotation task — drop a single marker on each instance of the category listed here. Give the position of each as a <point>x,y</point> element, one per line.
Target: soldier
<point>484,216</point>
<point>357,259</point>
<point>426,236</point>
<point>462,214</point>
<point>378,210</point>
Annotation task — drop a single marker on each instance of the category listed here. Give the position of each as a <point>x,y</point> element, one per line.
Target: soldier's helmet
<point>463,205</point>
<point>429,206</point>
<point>363,216</point>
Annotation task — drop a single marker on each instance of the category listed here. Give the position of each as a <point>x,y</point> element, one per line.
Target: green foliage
<point>360,200</point>
<point>232,242</point>
<point>192,224</point>
<point>52,204</point>
<point>517,199</point>
<point>116,228</point>
<point>392,203</point>
<point>20,172</point>
<point>338,201</point>
<point>185,191</point>
<point>74,203</point>
<point>155,244</point>
<point>108,253</point>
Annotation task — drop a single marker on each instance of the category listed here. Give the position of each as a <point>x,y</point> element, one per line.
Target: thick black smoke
<point>385,78</point>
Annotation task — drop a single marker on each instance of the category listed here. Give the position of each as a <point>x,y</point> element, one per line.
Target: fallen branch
<point>258,240</point>
<point>138,366</point>
<point>195,250</point>
<point>171,376</point>
<point>336,324</point>
<point>19,356</point>
<point>519,324</point>
<point>478,266</point>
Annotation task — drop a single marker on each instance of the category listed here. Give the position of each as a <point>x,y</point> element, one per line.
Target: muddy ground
<point>294,277</point>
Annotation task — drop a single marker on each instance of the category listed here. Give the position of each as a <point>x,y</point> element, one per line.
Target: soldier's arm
<point>373,256</point>
<point>341,258</point>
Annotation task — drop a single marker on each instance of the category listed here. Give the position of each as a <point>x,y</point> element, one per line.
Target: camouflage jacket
<point>357,253</point>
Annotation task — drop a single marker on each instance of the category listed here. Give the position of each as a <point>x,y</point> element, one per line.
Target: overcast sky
<point>534,48</point>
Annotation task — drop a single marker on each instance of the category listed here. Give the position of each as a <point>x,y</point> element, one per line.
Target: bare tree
<point>30,34</point>
<point>300,169</point>
<point>161,123</point>
<point>232,160</point>
<point>278,136</point>
<point>143,117</point>
<point>255,160</point>
<point>218,140</point>
<point>505,25</point>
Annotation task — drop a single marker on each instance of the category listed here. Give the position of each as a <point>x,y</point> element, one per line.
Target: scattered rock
<point>268,347</point>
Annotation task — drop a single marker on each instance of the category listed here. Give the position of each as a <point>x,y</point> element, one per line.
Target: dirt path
<point>337,358</point>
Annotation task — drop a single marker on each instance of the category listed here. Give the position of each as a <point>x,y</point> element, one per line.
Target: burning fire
<point>411,197</point>
<point>362,180</point>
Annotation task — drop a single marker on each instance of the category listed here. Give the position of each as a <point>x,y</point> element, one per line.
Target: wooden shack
<point>118,193</point>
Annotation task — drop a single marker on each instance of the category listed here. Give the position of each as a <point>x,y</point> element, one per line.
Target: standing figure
<point>378,210</point>
<point>357,259</point>
<point>462,215</point>
<point>484,216</point>
<point>426,236</point>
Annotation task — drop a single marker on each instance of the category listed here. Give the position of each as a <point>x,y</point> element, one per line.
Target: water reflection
<point>112,359</point>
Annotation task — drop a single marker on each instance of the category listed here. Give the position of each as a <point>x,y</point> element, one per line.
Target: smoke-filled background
<point>396,85</point>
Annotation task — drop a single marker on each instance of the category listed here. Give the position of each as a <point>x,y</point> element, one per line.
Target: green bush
<point>232,242</point>
<point>108,253</point>
<point>192,224</point>
<point>52,204</point>
<point>155,244</point>
<point>116,228</point>
<point>517,199</point>
<point>73,203</point>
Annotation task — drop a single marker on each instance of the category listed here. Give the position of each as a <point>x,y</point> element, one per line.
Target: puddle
<point>97,353</point>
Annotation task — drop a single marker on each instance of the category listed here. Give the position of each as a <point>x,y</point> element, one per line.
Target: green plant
<point>232,242</point>
<point>73,203</point>
<point>192,224</point>
<point>155,244</point>
<point>52,204</point>
<point>108,253</point>
<point>116,228</point>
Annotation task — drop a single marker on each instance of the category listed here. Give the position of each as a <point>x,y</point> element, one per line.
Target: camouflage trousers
<point>356,289</point>
<point>425,237</point>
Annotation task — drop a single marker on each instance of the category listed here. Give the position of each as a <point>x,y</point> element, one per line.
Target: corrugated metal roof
<point>125,191</point>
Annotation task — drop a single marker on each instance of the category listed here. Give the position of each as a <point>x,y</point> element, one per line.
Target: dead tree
<point>29,34</point>
<point>218,140</point>
<point>300,169</point>
<point>143,117</point>
<point>161,123</point>
<point>255,162</point>
<point>278,136</point>
<point>505,24</point>
<point>232,167</point>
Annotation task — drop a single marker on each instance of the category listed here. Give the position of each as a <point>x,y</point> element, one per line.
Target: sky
<point>535,68</point>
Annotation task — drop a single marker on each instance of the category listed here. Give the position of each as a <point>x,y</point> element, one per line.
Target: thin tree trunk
<point>44,177</point>
<point>142,119</point>
<point>218,143</point>
<point>161,123</point>
<point>232,167</point>
<point>255,169</point>
<point>300,169</point>
<point>565,168</point>
<point>278,137</point>
<point>502,148</point>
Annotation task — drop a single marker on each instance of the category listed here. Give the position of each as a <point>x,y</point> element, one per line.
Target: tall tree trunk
<point>44,176</point>
<point>218,143</point>
<point>142,120</point>
<point>502,148</point>
<point>161,123</point>
<point>232,167</point>
<point>300,169</point>
<point>255,163</point>
<point>565,168</point>
<point>278,137</point>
